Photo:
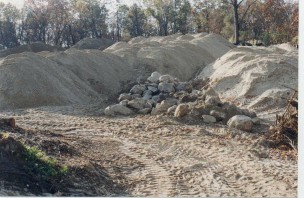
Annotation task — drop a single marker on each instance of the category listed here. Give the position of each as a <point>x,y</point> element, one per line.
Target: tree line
<point>65,22</point>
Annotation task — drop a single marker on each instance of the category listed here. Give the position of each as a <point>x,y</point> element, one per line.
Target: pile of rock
<point>164,94</point>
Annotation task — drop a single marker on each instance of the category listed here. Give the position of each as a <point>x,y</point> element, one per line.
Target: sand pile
<point>34,47</point>
<point>90,43</point>
<point>82,76</point>
<point>177,55</point>
<point>255,76</point>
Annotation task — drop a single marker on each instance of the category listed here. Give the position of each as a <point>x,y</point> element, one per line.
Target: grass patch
<point>39,163</point>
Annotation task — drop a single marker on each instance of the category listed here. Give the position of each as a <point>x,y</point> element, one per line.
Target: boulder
<point>124,102</point>
<point>139,104</point>
<point>189,98</point>
<point>134,96</point>
<point>209,92</point>
<point>118,109</point>
<point>145,111</point>
<point>181,110</point>
<point>125,96</point>
<point>154,77</point>
<point>140,79</point>
<point>166,78</point>
<point>138,89</point>
<point>212,100</point>
<point>147,94</point>
<point>256,121</point>
<point>166,87</point>
<point>219,115</point>
<point>153,89</point>
<point>183,86</point>
<point>240,122</point>
<point>208,119</point>
<point>152,102</point>
<point>164,106</point>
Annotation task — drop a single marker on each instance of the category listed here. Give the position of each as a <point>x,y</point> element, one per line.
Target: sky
<point>20,3</point>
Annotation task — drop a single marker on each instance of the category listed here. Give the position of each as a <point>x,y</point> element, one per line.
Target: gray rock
<point>256,121</point>
<point>212,100</point>
<point>209,92</point>
<point>153,89</point>
<point>171,110</point>
<point>240,122</point>
<point>145,111</point>
<point>248,113</point>
<point>139,104</point>
<point>181,110</point>
<point>124,96</point>
<point>166,87</point>
<point>183,86</point>
<point>134,96</point>
<point>156,98</point>
<point>124,102</point>
<point>138,89</point>
<point>118,109</point>
<point>208,119</point>
<point>147,94</point>
<point>218,115</point>
<point>152,102</point>
<point>154,77</point>
<point>164,106</point>
<point>189,98</point>
<point>166,78</point>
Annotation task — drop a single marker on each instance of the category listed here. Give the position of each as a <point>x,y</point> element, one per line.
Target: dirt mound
<point>34,47</point>
<point>256,76</point>
<point>83,76</point>
<point>90,43</point>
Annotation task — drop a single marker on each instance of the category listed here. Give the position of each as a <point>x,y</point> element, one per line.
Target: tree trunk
<point>236,23</point>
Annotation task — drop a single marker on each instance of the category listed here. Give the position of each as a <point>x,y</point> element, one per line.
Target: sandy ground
<point>161,156</point>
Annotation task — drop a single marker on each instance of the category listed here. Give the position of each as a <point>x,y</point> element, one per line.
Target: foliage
<point>39,163</point>
<point>65,22</point>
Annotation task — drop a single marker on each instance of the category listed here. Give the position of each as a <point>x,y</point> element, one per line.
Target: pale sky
<point>19,3</point>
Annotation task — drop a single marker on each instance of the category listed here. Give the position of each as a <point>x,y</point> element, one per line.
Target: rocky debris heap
<point>164,94</point>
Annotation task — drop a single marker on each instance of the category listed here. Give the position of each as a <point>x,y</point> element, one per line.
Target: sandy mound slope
<point>256,76</point>
<point>178,55</point>
<point>90,43</point>
<point>82,76</point>
<point>34,47</point>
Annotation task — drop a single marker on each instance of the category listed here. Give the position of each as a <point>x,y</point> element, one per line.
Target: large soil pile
<point>80,76</point>
<point>34,47</point>
<point>255,76</point>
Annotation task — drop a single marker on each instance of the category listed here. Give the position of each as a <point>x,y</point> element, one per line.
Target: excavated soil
<point>152,156</point>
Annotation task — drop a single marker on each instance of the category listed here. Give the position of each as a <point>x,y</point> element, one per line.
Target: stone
<point>171,110</point>
<point>147,94</point>
<point>125,96</point>
<point>212,100</point>
<point>156,98</point>
<point>139,104</point>
<point>256,121</point>
<point>145,111</point>
<point>183,86</point>
<point>166,87</point>
<point>218,115</point>
<point>134,96</point>
<point>181,110</point>
<point>138,89</point>
<point>118,109</point>
<point>124,102</point>
<point>208,119</point>
<point>164,106</point>
<point>166,78</point>
<point>154,77</point>
<point>153,89</point>
<point>152,102</point>
<point>189,98</point>
<point>240,122</point>
<point>249,113</point>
